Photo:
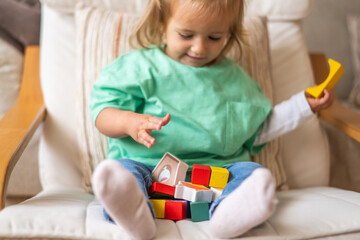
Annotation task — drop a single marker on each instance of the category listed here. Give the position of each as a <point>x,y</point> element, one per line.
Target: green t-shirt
<point>216,111</point>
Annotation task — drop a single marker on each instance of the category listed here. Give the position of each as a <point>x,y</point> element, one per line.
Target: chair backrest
<point>304,151</point>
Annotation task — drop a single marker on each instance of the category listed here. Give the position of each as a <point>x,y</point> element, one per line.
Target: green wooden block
<point>199,211</point>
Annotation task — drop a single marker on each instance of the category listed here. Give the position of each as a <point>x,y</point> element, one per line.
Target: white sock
<point>118,190</point>
<point>247,206</point>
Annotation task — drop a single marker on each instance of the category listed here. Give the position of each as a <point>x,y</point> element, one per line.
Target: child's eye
<point>185,36</point>
<point>214,38</point>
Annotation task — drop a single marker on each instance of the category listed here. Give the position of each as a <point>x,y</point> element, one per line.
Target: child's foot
<point>118,190</point>
<point>247,206</point>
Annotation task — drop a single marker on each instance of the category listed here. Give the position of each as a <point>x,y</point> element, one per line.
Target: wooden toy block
<point>170,170</point>
<point>219,177</point>
<point>188,211</point>
<point>160,190</point>
<point>175,210</point>
<point>216,192</point>
<point>200,174</point>
<point>159,207</point>
<point>336,71</point>
<point>192,192</point>
<point>199,211</point>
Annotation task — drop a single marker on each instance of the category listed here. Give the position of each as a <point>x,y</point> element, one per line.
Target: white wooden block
<point>193,192</point>
<point>216,192</point>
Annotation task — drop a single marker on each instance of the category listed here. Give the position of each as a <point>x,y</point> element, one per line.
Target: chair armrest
<point>20,122</point>
<point>337,115</point>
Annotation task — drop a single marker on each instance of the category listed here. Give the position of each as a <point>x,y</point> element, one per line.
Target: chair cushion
<point>280,10</point>
<point>305,150</point>
<point>273,9</point>
<point>58,153</point>
<point>109,31</point>
<point>11,61</point>
<point>72,214</point>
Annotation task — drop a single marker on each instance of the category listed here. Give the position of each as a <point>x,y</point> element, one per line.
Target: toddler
<point>180,94</point>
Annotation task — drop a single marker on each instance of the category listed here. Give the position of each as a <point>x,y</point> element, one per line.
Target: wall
<point>326,31</point>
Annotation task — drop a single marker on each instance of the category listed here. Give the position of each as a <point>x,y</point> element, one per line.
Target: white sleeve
<point>285,117</point>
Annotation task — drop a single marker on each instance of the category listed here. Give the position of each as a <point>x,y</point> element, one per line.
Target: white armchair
<point>66,209</point>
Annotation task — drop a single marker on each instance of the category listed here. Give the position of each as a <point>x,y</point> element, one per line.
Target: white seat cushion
<point>66,214</point>
<point>73,214</point>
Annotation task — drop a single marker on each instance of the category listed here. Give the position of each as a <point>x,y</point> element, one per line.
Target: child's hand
<point>141,126</point>
<point>324,101</point>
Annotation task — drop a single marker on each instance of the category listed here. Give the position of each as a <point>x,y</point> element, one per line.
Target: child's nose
<point>199,46</point>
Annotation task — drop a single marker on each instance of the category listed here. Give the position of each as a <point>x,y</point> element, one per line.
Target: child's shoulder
<point>138,54</point>
<point>138,57</point>
<point>139,62</point>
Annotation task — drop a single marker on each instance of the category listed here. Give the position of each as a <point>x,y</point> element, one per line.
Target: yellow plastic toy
<point>219,177</point>
<point>336,70</point>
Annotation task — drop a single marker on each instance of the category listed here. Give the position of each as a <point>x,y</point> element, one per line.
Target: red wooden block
<point>160,189</point>
<point>175,210</point>
<point>200,174</point>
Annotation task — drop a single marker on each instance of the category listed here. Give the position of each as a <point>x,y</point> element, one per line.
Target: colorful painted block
<point>199,211</point>
<point>175,210</point>
<point>170,170</point>
<point>216,192</point>
<point>192,192</point>
<point>188,211</point>
<point>200,174</point>
<point>159,207</point>
<point>219,177</point>
<point>160,190</point>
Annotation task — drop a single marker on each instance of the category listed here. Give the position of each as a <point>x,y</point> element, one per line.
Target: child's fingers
<point>146,144</point>
<point>328,103</point>
<point>165,120</point>
<point>156,123</point>
<point>146,139</point>
<point>325,97</point>
<point>328,98</point>
<point>153,125</point>
<point>324,101</point>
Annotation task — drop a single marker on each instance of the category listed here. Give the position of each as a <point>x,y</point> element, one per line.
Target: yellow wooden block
<point>219,177</point>
<point>159,207</point>
<point>336,70</point>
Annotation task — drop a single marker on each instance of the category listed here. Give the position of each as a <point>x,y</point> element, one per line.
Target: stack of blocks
<point>194,198</point>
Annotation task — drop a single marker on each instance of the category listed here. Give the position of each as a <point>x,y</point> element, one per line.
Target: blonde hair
<point>150,28</point>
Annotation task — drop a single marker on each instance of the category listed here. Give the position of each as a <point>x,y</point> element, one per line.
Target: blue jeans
<point>238,172</point>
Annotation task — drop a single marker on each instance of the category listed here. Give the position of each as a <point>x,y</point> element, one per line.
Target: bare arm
<point>117,123</point>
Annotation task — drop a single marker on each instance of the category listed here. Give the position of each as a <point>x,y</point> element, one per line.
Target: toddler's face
<point>195,39</point>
